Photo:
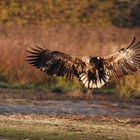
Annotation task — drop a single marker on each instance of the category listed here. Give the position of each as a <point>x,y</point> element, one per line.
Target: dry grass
<point>70,128</point>
<point>75,40</point>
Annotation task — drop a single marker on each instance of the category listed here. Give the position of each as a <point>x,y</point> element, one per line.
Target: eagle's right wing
<point>123,62</point>
<point>55,62</point>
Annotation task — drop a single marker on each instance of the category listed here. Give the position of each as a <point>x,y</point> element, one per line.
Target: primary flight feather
<point>93,72</point>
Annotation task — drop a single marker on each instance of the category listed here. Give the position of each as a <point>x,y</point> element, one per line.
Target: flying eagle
<point>93,72</point>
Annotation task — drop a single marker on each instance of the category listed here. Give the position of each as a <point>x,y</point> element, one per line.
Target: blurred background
<point>82,27</point>
<point>35,106</point>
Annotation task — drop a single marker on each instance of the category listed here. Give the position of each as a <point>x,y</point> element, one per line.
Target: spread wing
<point>55,62</point>
<point>123,62</point>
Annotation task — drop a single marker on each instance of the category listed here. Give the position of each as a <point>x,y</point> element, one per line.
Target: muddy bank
<point>39,102</point>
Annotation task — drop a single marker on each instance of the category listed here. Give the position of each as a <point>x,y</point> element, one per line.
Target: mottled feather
<point>55,63</point>
<point>123,62</point>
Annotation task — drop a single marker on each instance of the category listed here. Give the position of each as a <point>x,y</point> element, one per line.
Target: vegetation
<point>35,127</point>
<point>95,12</point>
<point>66,26</point>
<point>15,72</point>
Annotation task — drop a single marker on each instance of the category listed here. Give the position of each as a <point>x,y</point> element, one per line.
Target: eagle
<point>92,71</point>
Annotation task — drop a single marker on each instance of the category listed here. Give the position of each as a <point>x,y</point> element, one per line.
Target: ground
<point>37,115</point>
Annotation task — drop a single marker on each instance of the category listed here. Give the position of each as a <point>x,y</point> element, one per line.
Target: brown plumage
<point>93,72</point>
<point>123,62</point>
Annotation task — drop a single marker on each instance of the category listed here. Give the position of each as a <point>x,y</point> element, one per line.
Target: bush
<point>48,12</point>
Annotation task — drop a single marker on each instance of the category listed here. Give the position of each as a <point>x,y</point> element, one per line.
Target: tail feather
<point>93,83</point>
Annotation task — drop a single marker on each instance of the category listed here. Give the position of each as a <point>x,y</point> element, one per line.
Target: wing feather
<point>55,62</point>
<point>123,62</point>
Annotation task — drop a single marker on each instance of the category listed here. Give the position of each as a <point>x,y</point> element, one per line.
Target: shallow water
<point>77,107</point>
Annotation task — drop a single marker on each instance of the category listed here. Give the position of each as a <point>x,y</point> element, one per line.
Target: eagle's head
<point>86,59</point>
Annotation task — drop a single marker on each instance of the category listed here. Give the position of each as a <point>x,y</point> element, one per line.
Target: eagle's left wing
<point>55,62</point>
<point>123,62</point>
